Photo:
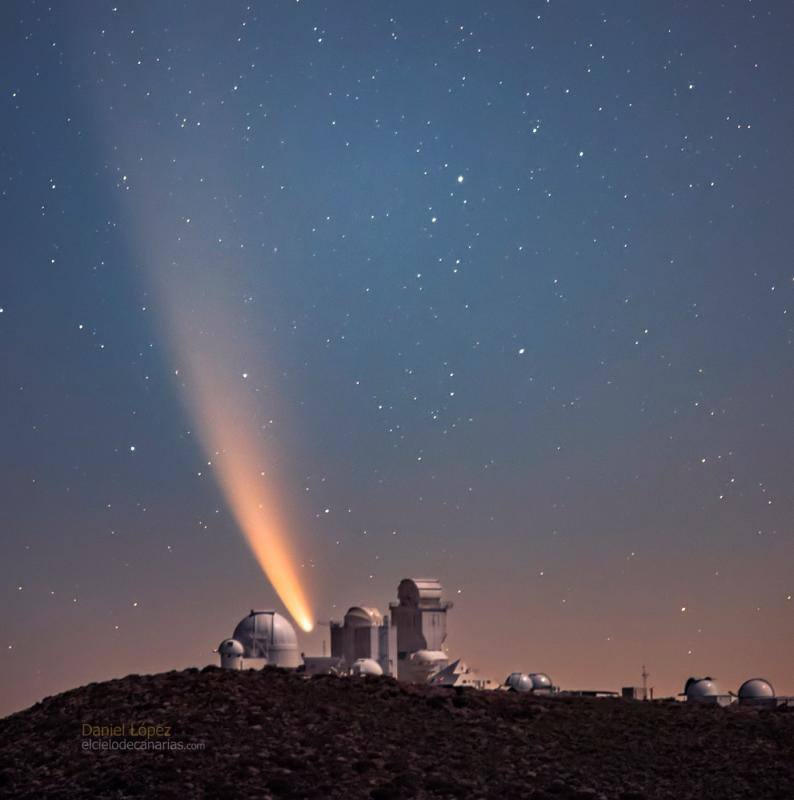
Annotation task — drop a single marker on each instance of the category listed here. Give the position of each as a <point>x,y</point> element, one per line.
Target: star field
<point>508,290</point>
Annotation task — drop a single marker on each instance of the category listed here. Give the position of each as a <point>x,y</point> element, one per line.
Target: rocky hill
<point>273,734</point>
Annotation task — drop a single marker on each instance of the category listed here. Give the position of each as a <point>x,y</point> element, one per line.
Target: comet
<point>224,412</point>
<point>229,410</point>
<point>217,348</point>
<point>199,281</point>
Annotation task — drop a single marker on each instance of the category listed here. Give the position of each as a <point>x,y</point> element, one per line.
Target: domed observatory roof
<point>361,615</point>
<point>420,666</point>
<point>430,657</point>
<point>698,688</point>
<point>231,653</point>
<point>366,667</point>
<point>268,635</point>
<point>756,689</point>
<point>518,682</point>
<point>541,681</point>
<point>230,647</point>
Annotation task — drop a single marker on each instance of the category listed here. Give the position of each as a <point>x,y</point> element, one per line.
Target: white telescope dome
<point>231,653</point>
<point>230,647</point>
<point>268,635</point>
<point>363,615</point>
<point>518,682</point>
<point>366,666</point>
<point>756,688</point>
<point>429,657</point>
<point>540,680</point>
<point>701,687</point>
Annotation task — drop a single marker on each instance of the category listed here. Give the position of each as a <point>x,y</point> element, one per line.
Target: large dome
<point>268,635</point>
<point>755,689</point>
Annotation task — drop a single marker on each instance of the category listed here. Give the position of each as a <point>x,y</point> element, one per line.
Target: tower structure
<point>420,617</point>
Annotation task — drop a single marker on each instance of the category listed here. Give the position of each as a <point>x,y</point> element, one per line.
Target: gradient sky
<point>506,290</point>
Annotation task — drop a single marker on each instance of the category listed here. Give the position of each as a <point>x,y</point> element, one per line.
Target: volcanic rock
<point>274,734</point>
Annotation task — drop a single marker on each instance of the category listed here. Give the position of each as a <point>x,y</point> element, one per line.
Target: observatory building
<point>364,634</point>
<point>261,638</point>
<point>420,616</point>
<point>753,692</point>
<point>542,683</point>
<point>535,682</point>
<point>459,673</point>
<point>757,692</point>
<point>518,682</point>
<point>408,644</point>
<point>706,691</point>
<point>366,667</point>
<point>405,643</point>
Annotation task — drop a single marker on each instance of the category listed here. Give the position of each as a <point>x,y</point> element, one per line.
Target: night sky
<point>498,293</point>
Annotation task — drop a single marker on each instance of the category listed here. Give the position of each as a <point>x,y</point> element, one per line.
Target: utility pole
<point>645,676</point>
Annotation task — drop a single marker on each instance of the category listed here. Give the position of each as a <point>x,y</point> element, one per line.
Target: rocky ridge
<point>274,734</point>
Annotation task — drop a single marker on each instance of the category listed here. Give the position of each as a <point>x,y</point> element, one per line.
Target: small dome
<point>366,666</point>
<point>268,635</point>
<point>755,689</point>
<point>701,687</point>
<point>518,682</point>
<point>540,680</point>
<point>362,615</point>
<point>230,647</point>
<point>429,657</point>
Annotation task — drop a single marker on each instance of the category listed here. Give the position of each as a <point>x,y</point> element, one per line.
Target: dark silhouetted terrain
<point>275,734</point>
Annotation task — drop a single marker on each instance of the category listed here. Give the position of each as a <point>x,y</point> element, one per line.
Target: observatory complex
<point>263,637</point>
<point>408,643</point>
<point>757,692</point>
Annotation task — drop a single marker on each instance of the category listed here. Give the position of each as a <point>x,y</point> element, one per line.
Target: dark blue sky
<point>520,285</point>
